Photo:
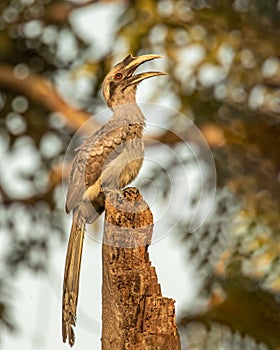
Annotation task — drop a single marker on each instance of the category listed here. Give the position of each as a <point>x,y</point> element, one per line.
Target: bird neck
<point>129,113</point>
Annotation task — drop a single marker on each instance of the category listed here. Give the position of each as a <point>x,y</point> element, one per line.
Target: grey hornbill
<point>109,159</point>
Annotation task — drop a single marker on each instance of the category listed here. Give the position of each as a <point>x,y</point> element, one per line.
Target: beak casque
<point>132,63</point>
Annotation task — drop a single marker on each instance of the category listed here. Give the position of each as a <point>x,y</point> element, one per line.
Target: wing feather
<point>92,155</point>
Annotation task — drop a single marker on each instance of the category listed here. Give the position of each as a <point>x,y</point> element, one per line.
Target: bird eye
<point>118,76</point>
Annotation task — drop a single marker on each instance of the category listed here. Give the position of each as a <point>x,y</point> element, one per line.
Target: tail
<point>71,277</point>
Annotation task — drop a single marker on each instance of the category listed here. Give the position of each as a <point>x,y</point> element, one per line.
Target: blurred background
<point>223,65</point>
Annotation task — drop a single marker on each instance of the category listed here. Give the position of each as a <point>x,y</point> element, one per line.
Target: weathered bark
<point>134,313</point>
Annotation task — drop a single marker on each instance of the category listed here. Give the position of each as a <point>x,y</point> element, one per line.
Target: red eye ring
<point>118,76</point>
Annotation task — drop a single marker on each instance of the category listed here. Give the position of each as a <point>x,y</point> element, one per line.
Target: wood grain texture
<point>134,313</point>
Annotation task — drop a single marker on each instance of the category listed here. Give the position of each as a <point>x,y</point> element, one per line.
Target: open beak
<point>132,63</point>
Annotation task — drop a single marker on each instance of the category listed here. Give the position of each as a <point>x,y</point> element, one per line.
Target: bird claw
<point>111,190</point>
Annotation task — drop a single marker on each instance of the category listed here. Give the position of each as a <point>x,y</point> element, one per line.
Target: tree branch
<point>43,92</point>
<point>134,313</point>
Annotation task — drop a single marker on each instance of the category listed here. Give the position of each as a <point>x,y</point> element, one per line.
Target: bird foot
<point>112,190</point>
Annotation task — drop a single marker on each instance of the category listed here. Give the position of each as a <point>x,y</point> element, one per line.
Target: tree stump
<point>134,313</point>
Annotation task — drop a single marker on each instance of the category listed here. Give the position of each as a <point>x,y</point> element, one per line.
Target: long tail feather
<point>71,278</point>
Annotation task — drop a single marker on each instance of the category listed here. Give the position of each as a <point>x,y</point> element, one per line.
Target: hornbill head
<point>120,84</point>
